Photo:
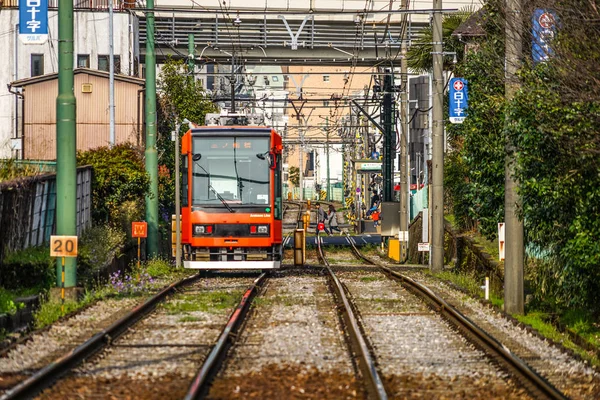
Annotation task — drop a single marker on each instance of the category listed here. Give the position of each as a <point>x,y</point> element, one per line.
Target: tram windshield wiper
<point>196,158</point>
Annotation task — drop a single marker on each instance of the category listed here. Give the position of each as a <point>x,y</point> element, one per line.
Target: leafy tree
<point>474,166</point>
<point>119,176</point>
<point>180,97</point>
<point>294,175</point>
<point>419,54</point>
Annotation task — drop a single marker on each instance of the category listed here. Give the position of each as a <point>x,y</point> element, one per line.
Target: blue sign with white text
<point>33,21</point>
<point>459,98</point>
<point>543,27</point>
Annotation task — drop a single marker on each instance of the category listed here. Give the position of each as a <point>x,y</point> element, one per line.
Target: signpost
<point>33,21</point>
<point>63,246</point>
<point>459,99</point>
<point>139,230</point>
<point>543,27</point>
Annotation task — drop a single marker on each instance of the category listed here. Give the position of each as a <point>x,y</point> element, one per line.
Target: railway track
<point>164,340</point>
<point>534,384</point>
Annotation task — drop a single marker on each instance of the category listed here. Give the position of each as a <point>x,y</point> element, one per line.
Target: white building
<point>19,61</point>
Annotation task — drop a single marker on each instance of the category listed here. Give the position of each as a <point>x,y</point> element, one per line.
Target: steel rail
<point>213,362</point>
<point>49,374</point>
<point>375,388</point>
<point>536,384</point>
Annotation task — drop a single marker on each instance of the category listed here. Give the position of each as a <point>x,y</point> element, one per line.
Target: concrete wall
<point>91,37</point>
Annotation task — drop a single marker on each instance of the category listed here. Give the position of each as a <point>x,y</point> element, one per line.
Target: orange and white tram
<point>231,204</point>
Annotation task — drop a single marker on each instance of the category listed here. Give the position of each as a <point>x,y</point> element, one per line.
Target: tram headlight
<point>263,229</point>
<point>199,230</point>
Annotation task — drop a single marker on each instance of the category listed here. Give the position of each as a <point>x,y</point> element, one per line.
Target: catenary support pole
<point>437,231</point>
<point>66,135</point>
<point>111,74</point>
<point>191,62</point>
<point>327,156</point>
<point>404,179</point>
<point>389,139</point>
<point>151,153</point>
<point>514,257</point>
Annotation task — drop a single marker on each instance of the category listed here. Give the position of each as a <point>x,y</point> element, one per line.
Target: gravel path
<point>571,376</point>
<point>418,353</point>
<point>292,347</point>
<point>47,345</point>
<point>159,356</point>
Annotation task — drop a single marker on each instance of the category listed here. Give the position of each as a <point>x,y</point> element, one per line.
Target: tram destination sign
<point>33,21</point>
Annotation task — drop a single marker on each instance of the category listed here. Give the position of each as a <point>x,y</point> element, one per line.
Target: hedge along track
<point>358,343</point>
<point>535,384</point>
<point>102,340</point>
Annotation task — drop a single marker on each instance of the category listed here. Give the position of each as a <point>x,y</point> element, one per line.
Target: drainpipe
<point>17,95</point>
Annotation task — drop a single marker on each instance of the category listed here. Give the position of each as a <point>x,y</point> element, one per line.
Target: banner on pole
<point>459,98</point>
<point>33,21</point>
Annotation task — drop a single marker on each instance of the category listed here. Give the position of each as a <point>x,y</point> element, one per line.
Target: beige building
<point>93,122</point>
<point>318,108</point>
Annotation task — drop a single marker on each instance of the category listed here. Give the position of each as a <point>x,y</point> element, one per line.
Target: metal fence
<point>28,210</point>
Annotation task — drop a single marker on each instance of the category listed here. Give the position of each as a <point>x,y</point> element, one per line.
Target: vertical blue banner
<point>543,26</point>
<point>459,98</point>
<point>33,21</point>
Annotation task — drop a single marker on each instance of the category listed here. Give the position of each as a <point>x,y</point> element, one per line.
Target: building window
<point>83,60</point>
<point>103,63</point>
<point>326,103</point>
<point>37,64</point>
<point>325,78</point>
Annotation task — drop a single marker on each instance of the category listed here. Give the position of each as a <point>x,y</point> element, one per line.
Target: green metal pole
<point>66,162</point>
<point>327,150</point>
<point>191,61</point>
<point>151,154</point>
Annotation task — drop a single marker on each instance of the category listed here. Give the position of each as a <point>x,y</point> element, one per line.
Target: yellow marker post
<point>63,246</point>
<point>139,230</point>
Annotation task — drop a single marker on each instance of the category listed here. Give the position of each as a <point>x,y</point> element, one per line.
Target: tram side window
<point>278,186</point>
<point>184,181</point>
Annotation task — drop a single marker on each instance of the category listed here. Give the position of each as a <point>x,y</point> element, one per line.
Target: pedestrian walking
<point>321,217</point>
<point>332,220</point>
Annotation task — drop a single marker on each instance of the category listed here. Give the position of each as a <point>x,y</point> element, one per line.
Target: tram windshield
<point>231,170</point>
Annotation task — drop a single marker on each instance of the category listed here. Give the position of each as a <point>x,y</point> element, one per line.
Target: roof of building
<point>95,72</point>
<point>472,27</point>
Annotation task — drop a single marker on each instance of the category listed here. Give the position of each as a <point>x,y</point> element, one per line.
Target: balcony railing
<point>118,5</point>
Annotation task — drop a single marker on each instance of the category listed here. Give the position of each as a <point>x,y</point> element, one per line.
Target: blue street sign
<point>375,155</point>
<point>543,29</point>
<point>33,21</point>
<point>459,98</point>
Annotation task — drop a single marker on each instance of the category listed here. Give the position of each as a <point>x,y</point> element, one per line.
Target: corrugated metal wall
<point>28,210</point>
<point>93,120</point>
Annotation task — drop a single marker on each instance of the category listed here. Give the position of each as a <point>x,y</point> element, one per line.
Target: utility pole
<point>404,182</point>
<point>389,138</point>
<point>151,153</point>
<point>327,152</point>
<point>66,139</point>
<point>177,197</point>
<point>437,231</point>
<point>513,263</point>
<point>111,74</point>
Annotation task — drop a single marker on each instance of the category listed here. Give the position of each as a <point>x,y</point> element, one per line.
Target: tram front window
<point>233,168</point>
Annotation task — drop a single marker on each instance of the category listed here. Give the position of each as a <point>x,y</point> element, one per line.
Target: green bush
<point>119,176</point>
<point>31,267</point>
<point>157,267</point>
<point>98,246</point>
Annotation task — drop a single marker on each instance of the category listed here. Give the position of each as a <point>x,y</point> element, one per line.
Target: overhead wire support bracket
<point>294,42</point>
<point>377,125</point>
